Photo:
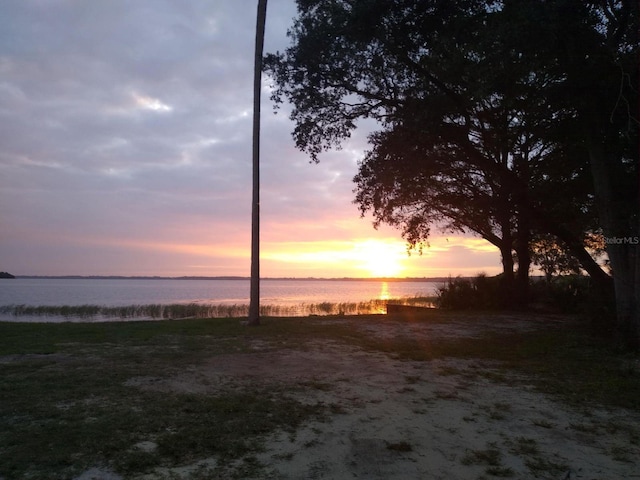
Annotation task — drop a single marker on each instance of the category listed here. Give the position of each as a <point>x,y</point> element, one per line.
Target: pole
<point>254,301</point>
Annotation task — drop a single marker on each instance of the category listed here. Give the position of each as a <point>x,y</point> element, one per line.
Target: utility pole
<point>254,301</point>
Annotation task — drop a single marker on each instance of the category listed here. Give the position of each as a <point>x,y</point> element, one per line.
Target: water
<point>125,292</point>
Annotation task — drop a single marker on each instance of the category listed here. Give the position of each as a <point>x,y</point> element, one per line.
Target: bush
<point>481,292</point>
<point>565,293</point>
<point>574,294</point>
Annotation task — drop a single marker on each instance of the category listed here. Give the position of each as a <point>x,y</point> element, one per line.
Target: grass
<point>66,397</point>
<point>199,310</point>
<point>400,446</point>
<point>490,456</point>
<point>544,466</point>
<point>525,446</point>
<point>491,459</point>
<point>66,390</point>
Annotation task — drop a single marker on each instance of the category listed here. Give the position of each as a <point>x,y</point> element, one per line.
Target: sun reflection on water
<point>384,291</point>
<point>383,296</point>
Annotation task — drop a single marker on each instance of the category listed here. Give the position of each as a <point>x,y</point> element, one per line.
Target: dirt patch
<point>445,423</point>
<point>439,419</point>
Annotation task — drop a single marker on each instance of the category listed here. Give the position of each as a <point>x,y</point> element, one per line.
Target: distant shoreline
<point>312,279</point>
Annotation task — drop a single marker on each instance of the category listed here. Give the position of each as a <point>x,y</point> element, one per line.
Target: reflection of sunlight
<point>384,292</point>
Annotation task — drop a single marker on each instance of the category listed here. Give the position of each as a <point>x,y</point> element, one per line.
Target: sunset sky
<point>125,149</point>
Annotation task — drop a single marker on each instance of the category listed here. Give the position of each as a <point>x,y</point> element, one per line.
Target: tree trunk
<point>601,280</point>
<point>507,263</point>
<point>522,275</point>
<point>622,235</point>
<point>508,278</point>
<point>254,301</point>
<point>523,234</point>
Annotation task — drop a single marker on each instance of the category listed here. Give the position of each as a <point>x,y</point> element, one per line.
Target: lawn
<point>161,399</point>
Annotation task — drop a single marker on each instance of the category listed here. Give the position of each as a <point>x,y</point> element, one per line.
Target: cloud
<point>126,143</point>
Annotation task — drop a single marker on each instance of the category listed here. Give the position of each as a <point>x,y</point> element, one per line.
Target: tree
<point>254,302</point>
<point>596,48</point>
<point>610,126</point>
<point>552,258</point>
<point>464,137</point>
<point>520,117</point>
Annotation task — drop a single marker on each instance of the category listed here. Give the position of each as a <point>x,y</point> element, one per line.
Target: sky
<point>125,149</point>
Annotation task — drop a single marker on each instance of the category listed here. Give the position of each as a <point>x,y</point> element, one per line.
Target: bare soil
<point>439,419</point>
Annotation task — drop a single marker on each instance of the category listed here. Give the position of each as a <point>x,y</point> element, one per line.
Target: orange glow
<point>362,257</point>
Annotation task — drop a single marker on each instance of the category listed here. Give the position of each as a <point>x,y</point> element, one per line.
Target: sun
<point>380,258</point>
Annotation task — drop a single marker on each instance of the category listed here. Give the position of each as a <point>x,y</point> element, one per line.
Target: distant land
<point>6,275</point>
<point>358,279</point>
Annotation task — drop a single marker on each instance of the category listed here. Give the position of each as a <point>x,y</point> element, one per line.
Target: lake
<point>122,292</point>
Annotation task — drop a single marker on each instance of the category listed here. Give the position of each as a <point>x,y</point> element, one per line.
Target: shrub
<point>576,294</point>
<point>564,293</point>
<point>481,292</point>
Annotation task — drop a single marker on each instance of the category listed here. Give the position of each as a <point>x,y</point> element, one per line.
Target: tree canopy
<point>489,112</point>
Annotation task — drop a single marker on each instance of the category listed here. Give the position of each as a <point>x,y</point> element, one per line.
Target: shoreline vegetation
<point>197,310</point>
<point>563,294</point>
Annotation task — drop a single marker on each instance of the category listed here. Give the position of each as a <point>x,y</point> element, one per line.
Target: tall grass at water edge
<point>197,310</point>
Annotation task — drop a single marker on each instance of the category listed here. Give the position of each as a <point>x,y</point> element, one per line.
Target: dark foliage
<point>481,292</point>
<point>507,120</point>
<point>564,294</point>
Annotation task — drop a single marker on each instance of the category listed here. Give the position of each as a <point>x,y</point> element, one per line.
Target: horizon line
<point>237,277</point>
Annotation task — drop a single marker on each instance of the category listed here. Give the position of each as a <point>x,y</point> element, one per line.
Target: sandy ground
<point>441,419</point>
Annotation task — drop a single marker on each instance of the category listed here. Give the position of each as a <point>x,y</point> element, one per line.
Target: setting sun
<point>379,258</point>
<point>386,257</point>
<point>356,258</point>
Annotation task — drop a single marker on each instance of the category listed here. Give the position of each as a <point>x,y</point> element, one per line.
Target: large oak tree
<point>481,126</point>
<point>597,49</point>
